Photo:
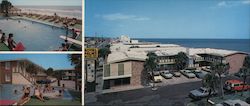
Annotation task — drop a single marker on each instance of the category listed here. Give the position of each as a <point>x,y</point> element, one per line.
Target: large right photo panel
<point>167,52</point>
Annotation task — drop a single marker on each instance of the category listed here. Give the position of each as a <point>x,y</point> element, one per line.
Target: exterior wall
<point>236,62</point>
<point>137,68</point>
<point>7,72</point>
<point>15,68</point>
<point>114,69</point>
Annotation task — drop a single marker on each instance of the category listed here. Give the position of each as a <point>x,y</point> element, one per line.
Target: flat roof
<point>122,52</point>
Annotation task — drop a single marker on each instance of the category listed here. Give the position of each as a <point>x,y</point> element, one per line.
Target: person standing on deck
<point>11,42</point>
<point>3,38</point>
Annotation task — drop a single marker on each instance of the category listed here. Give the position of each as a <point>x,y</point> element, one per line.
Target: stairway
<point>18,78</point>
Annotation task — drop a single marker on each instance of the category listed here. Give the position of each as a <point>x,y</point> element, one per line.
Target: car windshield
<point>201,90</point>
<point>225,104</point>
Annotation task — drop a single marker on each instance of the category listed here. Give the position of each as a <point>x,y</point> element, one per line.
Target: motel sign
<point>91,53</point>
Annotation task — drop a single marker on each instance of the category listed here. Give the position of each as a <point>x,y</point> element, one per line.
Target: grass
<point>57,102</point>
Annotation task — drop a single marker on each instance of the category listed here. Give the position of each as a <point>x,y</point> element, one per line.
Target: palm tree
<point>181,60</point>
<point>210,81</point>
<point>150,65</point>
<point>220,69</point>
<point>49,71</point>
<point>76,60</point>
<point>104,52</point>
<point>5,7</point>
<point>245,71</point>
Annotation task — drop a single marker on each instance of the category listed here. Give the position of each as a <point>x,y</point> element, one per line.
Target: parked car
<point>188,73</point>
<point>235,85</point>
<point>230,102</point>
<point>166,74</point>
<point>176,74</point>
<point>248,100</point>
<point>200,74</point>
<point>158,78</point>
<point>200,93</point>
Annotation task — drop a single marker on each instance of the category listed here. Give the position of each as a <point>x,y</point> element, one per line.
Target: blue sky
<point>168,18</point>
<point>47,2</point>
<point>56,61</point>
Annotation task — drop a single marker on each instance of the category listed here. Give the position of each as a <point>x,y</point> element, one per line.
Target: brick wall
<point>137,68</point>
<point>236,62</point>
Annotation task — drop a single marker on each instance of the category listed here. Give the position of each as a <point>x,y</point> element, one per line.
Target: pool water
<point>7,92</point>
<point>35,36</point>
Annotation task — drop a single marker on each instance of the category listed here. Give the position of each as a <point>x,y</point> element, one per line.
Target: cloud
<point>120,16</point>
<point>222,3</point>
<point>246,2</point>
<point>232,3</point>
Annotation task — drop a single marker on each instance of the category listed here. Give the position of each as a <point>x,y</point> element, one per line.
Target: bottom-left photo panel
<point>40,79</point>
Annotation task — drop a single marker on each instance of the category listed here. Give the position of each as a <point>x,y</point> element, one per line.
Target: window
<point>120,69</point>
<point>106,70</point>
<point>7,77</point>
<point>7,65</point>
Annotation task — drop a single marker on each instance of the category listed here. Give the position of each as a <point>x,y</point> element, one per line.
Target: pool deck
<point>45,22</point>
<point>4,47</point>
<point>58,102</point>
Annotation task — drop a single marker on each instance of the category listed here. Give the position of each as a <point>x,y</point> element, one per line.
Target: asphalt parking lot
<point>177,80</point>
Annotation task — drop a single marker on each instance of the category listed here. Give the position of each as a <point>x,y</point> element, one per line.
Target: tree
<point>210,81</point>
<point>5,7</point>
<point>181,60</point>
<point>150,65</point>
<point>245,71</point>
<point>220,69</point>
<point>104,52</point>
<point>49,71</point>
<point>31,69</point>
<point>76,60</point>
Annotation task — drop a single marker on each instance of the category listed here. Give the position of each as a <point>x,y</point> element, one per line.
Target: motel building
<point>14,72</point>
<point>126,62</point>
<point>69,79</point>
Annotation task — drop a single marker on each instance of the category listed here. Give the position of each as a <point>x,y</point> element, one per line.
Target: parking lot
<point>177,80</point>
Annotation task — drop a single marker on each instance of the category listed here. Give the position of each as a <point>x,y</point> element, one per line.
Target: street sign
<point>91,53</point>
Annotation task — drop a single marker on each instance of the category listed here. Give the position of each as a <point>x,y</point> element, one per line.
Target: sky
<point>218,19</point>
<point>47,2</point>
<point>55,61</point>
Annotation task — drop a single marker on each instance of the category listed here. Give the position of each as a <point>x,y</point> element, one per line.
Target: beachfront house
<point>20,71</point>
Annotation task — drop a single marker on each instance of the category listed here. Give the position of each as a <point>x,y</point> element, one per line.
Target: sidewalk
<point>90,97</point>
<point>121,88</point>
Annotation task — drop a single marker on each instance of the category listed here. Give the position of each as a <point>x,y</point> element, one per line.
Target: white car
<point>233,103</point>
<point>166,74</point>
<point>188,73</point>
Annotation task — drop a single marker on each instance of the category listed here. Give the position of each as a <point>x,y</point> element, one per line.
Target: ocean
<point>64,11</point>
<point>242,45</point>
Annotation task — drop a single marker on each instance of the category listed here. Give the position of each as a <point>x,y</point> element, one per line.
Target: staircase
<point>18,78</point>
<point>22,77</point>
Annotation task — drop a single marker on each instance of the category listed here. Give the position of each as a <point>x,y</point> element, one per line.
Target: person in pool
<point>26,96</point>
<point>11,42</point>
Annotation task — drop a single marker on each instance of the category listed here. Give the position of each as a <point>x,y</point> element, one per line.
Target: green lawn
<point>57,102</point>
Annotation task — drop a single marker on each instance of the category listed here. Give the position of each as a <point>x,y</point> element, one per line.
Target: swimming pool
<point>7,92</point>
<point>35,36</point>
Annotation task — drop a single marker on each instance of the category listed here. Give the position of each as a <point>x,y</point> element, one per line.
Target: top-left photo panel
<point>41,25</point>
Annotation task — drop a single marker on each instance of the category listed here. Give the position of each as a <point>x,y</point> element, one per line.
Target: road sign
<point>91,53</point>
